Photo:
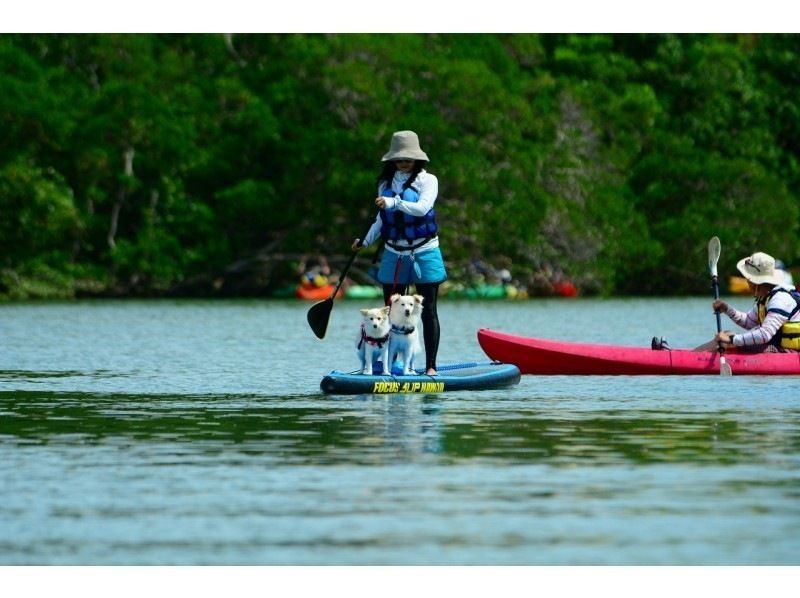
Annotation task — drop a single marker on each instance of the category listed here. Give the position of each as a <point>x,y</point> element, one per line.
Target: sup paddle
<point>714,249</point>
<point>319,313</point>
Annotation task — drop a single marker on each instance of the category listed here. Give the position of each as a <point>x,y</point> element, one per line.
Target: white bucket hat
<point>405,144</point>
<point>759,268</point>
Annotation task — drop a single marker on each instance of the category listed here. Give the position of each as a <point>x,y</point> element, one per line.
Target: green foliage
<point>132,163</point>
<point>38,232</point>
<point>39,216</point>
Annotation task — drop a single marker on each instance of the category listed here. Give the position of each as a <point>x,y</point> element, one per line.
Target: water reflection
<point>394,428</point>
<point>402,426</point>
<point>28,375</point>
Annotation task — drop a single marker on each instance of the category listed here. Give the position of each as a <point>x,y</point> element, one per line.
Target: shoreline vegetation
<point>268,274</point>
<point>208,165</point>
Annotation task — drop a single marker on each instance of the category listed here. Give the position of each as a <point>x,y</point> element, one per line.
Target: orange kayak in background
<point>317,293</point>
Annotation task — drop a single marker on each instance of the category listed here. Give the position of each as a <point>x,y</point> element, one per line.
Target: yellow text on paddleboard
<point>382,386</point>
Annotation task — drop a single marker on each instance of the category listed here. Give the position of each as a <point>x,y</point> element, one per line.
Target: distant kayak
<point>452,377</point>
<point>507,291</point>
<point>312,293</point>
<point>485,291</point>
<point>565,289</point>
<point>552,357</point>
<point>737,285</point>
<point>363,291</point>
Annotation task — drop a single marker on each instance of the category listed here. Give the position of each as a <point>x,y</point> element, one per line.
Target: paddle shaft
<point>345,269</point>
<point>320,313</point>
<point>715,285</point>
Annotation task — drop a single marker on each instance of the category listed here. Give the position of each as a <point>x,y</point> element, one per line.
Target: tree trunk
<point>122,194</point>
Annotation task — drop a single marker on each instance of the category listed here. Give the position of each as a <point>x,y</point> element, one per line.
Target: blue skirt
<point>426,267</point>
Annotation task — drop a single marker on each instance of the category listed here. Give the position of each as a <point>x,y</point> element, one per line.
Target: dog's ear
<point>418,298</point>
<point>364,312</point>
<point>395,297</point>
<point>385,310</point>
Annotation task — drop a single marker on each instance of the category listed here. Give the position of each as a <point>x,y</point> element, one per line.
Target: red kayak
<point>546,357</point>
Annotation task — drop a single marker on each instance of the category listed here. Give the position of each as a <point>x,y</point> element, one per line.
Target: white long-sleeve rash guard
<point>761,334</point>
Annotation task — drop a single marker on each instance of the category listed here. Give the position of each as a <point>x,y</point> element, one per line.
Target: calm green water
<point>195,433</point>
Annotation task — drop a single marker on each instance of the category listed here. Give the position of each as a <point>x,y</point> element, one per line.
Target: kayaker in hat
<point>773,323</point>
<point>407,224</point>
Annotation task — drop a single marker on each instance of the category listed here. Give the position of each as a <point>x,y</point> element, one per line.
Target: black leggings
<point>430,318</point>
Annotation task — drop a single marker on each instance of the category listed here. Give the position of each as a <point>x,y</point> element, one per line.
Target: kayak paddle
<point>320,312</point>
<point>714,249</point>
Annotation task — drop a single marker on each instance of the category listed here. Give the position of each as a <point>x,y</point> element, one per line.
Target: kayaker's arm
<point>746,320</point>
<point>760,335</point>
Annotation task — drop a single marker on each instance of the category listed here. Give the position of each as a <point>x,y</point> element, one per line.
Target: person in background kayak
<point>406,222</point>
<point>314,271</point>
<point>773,323</point>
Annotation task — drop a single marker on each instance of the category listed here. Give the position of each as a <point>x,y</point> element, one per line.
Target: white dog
<point>404,336</point>
<point>373,340</point>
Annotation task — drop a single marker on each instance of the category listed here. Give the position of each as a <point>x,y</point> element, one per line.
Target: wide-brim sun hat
<point>405,144</point>
<point>759,268</point>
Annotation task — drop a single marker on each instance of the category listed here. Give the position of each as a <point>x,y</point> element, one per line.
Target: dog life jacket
<point>788,336</point>
<point>399,225</point>
<point>378,342</point>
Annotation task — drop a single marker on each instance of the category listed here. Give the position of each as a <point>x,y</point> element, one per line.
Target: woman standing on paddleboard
<point>407,224</point>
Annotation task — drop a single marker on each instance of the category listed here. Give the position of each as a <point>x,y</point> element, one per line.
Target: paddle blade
<point>318,316</point>
<point>724,367</point>
<point>714,249</point>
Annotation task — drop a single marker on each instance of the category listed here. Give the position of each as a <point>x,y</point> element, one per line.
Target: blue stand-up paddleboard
<point>486,375</point>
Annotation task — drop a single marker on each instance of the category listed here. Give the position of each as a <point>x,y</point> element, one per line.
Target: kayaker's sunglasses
<point>749,262</point>
<point>403,161</point>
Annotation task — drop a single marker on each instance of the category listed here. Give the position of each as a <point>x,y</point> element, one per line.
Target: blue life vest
<point>399,225</point>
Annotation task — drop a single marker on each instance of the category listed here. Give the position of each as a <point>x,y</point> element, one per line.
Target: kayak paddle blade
<point>318,317</point>
<point>724,367</point>
<point>714,249</point>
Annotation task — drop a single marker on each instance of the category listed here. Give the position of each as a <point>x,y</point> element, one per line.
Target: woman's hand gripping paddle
<point>714,249</point>
<point>319,313</point>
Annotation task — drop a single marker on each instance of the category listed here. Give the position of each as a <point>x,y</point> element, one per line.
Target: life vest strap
<point>413,247</point>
